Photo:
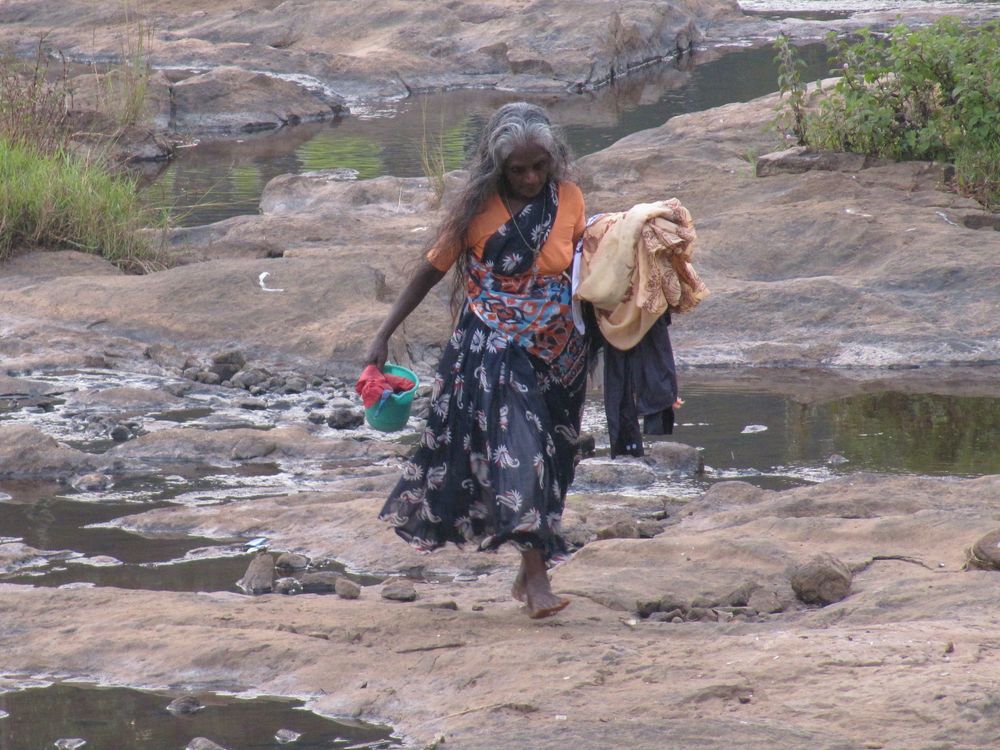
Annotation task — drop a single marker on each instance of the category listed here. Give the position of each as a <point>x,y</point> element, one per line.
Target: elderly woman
<point>497,454</point>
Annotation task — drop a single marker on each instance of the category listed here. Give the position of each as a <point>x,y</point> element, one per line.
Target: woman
<point>497,454</point>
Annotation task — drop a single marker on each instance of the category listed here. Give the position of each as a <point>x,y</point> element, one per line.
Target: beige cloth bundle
<point>637,264</point>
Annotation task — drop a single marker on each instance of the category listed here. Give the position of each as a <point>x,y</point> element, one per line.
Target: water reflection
<point>217,180</point>
<point>121,718</point>
<point>887,431</point>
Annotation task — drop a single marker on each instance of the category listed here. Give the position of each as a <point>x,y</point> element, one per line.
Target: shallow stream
<point>35,716</point>
<point>216,180</point>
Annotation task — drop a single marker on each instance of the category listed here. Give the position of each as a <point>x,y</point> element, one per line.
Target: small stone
<point>185,704</point>
<point>291,561</point>
<point>92,482</point>
<point>259,578</point>
<point>823,580</point>
<point>949,648</point>
<point>448,605</point>
<point>295,385</point>
<point>345,418</point>
<point>191,373</point>
<point>697,613</point>
<point>120,433</point>
<point>316,417</point>
<point>741,595</point>
<point>764,600</point>
<point>208,377</point>
<point>985,553</point>
<point>203,743</point>
<point>347,589</point>
<point>677,620</point>
<point>226,364</point>
<point>286,736</point>
<point>835,459</point>
<point>477,608</point>
<point>253,404</point>
<point>622,528</point>
<point>287,586</point>
<point>399,590</point>
<point>319,582</point>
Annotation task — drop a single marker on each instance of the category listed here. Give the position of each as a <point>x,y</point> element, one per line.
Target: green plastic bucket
<point>391,415</point>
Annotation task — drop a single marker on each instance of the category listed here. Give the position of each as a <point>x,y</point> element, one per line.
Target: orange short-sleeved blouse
<point>556,254</point>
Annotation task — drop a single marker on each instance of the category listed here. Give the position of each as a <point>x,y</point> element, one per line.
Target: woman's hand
<point>378,352</point>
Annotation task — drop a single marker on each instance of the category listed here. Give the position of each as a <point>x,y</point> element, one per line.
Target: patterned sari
<point>497,454</point>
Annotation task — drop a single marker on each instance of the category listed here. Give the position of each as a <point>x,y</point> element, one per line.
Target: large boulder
<point>232,99</point>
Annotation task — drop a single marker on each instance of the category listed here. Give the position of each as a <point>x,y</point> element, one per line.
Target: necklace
<point>534,248</point>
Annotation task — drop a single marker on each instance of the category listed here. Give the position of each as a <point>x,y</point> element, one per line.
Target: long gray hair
<point>512,126</point>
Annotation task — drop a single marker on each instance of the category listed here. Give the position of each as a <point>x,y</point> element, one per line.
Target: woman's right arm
<point>423,281</point>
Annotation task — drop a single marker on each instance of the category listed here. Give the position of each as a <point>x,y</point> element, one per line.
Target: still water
<point>214,181</point>
<point>119,719</point>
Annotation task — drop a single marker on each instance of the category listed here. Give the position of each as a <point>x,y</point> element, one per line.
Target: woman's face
<point>527,170</point>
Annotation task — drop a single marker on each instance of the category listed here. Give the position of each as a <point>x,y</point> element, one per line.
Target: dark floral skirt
<point>497,454</point>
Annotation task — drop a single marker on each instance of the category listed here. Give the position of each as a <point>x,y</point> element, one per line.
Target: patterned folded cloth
<point>635,265</point>
<point>373,383</point>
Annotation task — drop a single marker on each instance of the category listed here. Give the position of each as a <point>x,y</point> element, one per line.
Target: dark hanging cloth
<point>640,382</point>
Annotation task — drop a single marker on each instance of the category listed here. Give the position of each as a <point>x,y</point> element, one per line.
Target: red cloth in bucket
<point>373,383</point>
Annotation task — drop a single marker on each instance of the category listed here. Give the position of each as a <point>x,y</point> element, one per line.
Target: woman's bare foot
<point>538,594</point>
<point>518,589</point>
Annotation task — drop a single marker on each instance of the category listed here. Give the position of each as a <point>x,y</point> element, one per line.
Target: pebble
<point>347,589</point>
<point>399,590</point>
<point>285,736</point>
<point>185,704</point>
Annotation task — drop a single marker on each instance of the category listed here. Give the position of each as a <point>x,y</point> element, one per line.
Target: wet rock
<point>286,736</point>
<point>624,527</point>
<point>835,459</point>
<point>252,404</point>
<point>249,448</point>
<point>69,743</point>
<point>822,580</point>
<point>319,582</point>
<point>259,578</point>
<point>166,355</point>
<point>26,451</point>
<point>675,458</point>
<point>670,602</point>
<point>287,586</point>
<point>291,561</point>
<point>203,743</point>
<point>230,99</point>
<point>91,482</point>
<point>208,377</point>
<point>603,474</point>
<point>295,384</point>
<point>185,704</point>
<point>226,364</point>
<point>346,588</point>
<point>985,553</point>
<point>316,417</point>
<point>248,378</point>
<point>120,433</point>
<point>587,445</point>
<point>801,159</point>
<point>399,590</point>
<point>341,418</point>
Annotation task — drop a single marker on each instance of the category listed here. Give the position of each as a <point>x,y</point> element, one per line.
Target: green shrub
<point>931,94</point>
<point>59,202</point>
